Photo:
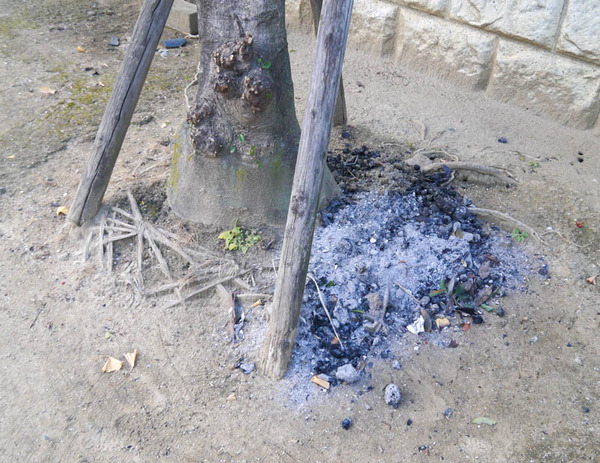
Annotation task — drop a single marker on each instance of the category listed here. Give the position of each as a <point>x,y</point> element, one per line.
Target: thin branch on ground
<point>325,309</point>
<point>409,294</point>
<point>507,218</point>
<point>208,287</point>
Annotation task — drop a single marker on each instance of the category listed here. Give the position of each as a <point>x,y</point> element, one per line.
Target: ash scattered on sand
<point>424,240</point>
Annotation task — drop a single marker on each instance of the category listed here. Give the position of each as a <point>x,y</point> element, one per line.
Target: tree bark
<point>120,108</point>
<point>340,116</point>
<point>235,155</point>
<point>287,302</point>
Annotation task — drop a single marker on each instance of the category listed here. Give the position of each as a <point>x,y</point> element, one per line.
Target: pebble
<point>247,368</point>
<point>396,365</point>
<point>578,361</point>
<point>345,134</point>
<point>500,312</point>
<point>502,140</point>
<point>409,422</point>
<point>534,339</point>
<point>392,395</point>
<point>448,412</point>
<point>347,423</point>
<point>347,373</point>
<point>114,41</point>
<point>586,409</point>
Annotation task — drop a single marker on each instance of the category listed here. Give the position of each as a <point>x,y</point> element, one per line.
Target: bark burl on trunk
<point>234,157</point>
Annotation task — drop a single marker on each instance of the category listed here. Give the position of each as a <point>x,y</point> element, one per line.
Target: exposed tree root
<point>507,218</point>
<point>205,265</point>
<point>499,174</point>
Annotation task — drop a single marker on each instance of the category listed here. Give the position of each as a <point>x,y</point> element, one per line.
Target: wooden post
<point>340,116</point>
<point>119,110</point>
<point>310,165</point>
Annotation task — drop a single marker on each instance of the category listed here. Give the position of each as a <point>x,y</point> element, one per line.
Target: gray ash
<point>425,240</point>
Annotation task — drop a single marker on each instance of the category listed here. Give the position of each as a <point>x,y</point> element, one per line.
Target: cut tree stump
<point>120,107</point>
<point>316,128</point>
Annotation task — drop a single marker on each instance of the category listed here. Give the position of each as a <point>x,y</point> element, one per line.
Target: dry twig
<point>325,309</point>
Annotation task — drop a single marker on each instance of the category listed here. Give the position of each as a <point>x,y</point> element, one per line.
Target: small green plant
<point>239,238</point>
<point>534,164</point>
<point>519,236</point>
<point>442,290</point>
<point>265,64</point>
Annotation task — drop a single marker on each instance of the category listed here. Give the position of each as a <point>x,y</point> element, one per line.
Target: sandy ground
<point>536,371</point>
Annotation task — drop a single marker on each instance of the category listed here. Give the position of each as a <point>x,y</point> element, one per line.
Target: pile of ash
<point>388,263</point>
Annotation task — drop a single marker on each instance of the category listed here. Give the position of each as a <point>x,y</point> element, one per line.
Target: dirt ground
<point>536,371</point>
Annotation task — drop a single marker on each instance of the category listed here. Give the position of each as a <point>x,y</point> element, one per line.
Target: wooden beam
<point>120,107</point>
<point>340,116</point>
<point>310,165</point>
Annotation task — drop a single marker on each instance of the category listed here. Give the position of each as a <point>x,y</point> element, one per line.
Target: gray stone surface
<point>184,17</point>
<point>373,27</point>
<point>444,49</point>
<point>347,373</point>
<point>546,83</point>
<point>438,7</point>
<point>528,19</point>
<point>580,34</point>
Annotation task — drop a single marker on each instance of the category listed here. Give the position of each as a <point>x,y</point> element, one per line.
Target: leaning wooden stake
<point>119,110</point>
<point>340,116</point>
<point>310,165</point>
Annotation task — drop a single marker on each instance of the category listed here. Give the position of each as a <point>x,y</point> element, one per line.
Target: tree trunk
<point>295,255</point>
<point>234,157</point>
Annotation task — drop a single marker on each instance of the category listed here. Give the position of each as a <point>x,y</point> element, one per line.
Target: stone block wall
<point>541,55</point>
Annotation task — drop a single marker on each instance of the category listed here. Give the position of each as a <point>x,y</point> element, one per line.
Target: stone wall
<point>541,55</point>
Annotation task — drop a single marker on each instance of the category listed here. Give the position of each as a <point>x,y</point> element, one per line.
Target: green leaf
<point>330,284</point>
<point>436,292</point>
<point>259,60</point>
<point>487,308</point>
<point>266,64</point>
<point>241,138</point>
<point>357,311</point>
<point>268,96</point>
<point>484,420</point>
<point>226,235</point>
<point>252,148</point>
<point>232,150</point>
